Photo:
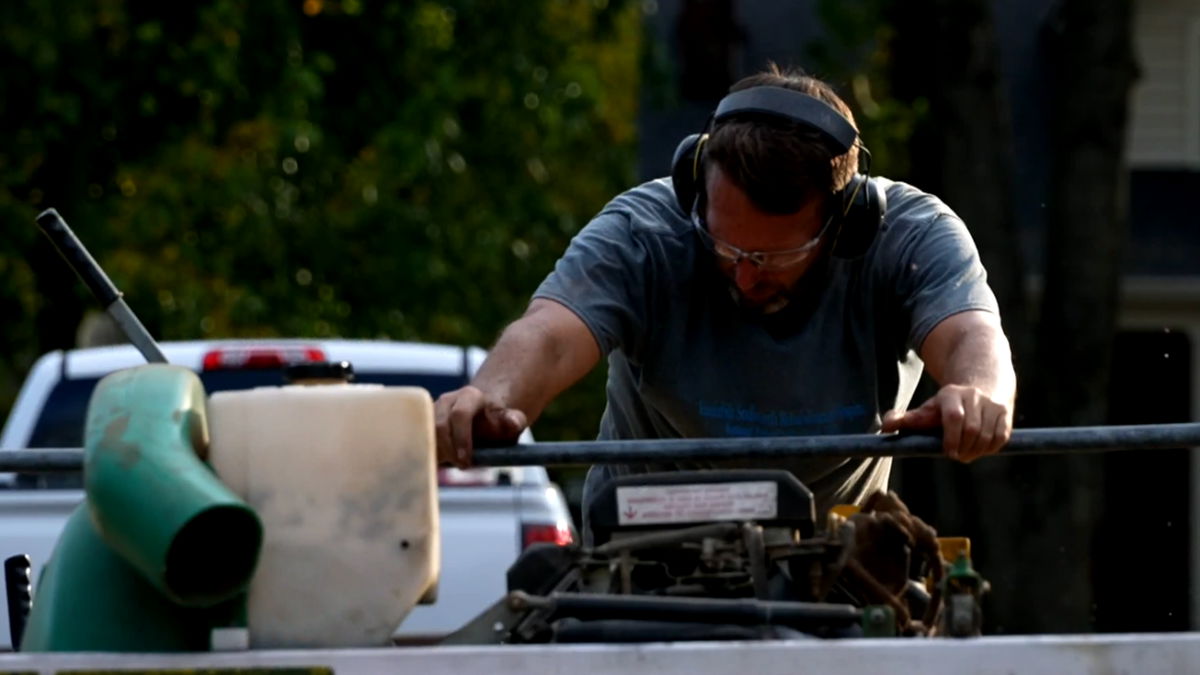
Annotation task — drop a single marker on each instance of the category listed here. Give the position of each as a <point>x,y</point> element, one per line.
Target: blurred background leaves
<point>273,168</point>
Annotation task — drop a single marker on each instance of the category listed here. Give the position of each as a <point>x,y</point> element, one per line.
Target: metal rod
<point>136,332</point>
<point>1023,442</point>
<point>667,538</point>
<point>1041,441</point>
<point>105,291</point>
<point>733,610</point>
<point>49,460</point>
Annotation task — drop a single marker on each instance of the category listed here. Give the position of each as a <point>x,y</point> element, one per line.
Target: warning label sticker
<point>647,505</point>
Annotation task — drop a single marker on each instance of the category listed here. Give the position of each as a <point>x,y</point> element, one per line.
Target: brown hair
<point>781,164</point>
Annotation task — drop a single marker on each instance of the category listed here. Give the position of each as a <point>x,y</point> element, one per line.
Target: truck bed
<point>1028,655</point>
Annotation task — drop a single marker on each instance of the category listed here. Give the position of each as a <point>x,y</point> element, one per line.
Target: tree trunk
<point>1091,51</point>
<point>946,54</point>
<point>1089,48</point>
<point>1034,516</point>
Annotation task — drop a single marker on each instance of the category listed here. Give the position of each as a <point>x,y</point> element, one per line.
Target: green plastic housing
<point>177,540</point>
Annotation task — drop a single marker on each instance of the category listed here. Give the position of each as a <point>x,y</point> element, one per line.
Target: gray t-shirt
<point>685,361</point>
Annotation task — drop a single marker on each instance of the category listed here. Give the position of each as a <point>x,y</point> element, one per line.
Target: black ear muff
<point>863,203</point>
<point>685,174</point>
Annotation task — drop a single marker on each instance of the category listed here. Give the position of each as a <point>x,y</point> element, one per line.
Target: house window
<point>1147,492</point>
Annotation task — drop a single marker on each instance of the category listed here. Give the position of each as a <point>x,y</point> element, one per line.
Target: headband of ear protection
<point>861,203</point>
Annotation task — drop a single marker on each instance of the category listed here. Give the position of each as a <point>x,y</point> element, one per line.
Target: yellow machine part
<point>952,547</point>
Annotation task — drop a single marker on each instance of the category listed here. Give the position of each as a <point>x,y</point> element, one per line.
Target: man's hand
<point>466,418</point>
<point>538,356</point>
<point>968,355</point>
<point>973,424</point>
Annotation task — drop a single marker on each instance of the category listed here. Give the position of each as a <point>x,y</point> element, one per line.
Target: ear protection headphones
<point>861,204</point>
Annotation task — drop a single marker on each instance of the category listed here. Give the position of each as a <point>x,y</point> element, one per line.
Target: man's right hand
<point>467,417</point>
<point>536,358</point>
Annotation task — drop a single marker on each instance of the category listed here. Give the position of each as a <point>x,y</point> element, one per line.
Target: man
<point>740,316</point>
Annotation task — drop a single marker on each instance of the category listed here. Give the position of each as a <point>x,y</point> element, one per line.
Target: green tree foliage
<point>276,168</point>
<point>854,52</point>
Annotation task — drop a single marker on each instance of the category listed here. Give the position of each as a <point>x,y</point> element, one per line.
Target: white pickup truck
<point>487,515</point>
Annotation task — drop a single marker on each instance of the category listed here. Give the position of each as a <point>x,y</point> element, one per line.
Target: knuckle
<point>442,407</point>
<point>464,408</point>
<point>451,400</point>
<point>458,415</point>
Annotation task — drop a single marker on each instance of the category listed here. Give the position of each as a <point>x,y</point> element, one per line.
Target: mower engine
<point>736,554</point>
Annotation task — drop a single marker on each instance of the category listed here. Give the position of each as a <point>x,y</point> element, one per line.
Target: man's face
<point>764,255</point>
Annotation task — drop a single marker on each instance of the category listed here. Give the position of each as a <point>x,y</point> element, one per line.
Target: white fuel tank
<point>344,479</point>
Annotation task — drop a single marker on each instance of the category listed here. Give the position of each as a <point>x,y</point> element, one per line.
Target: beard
<point>770,305</point>
<point>788,307</point>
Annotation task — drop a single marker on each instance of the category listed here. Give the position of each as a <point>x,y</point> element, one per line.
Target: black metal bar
<point>1050,440</point>
<point>50,460</point>
<point>743,611</point>
<point>1023,442</point>
<point>668,538</point>
<point>77,256</point>
<point>19,586</point>
<point>576,631</point>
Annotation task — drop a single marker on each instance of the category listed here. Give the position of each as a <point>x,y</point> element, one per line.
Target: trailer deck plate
<point>1144,654</point>
<point>317,670</point>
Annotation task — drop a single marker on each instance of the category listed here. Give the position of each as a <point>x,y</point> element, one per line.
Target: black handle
<point>19,586</point>
<point>78,257</point>
<point>1024,441</point>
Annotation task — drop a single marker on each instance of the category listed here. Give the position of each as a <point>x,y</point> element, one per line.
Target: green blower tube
<point>89,599</point>
<point>161,551</point>
<point>153,499</point>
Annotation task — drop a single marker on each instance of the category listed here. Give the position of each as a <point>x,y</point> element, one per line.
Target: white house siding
<point>1165,121</point>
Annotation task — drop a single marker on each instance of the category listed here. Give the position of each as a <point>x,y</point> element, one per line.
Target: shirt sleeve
<point>604,277</point>
<point>936,273</point>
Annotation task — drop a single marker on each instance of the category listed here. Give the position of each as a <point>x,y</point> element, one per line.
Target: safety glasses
<point>764,260</point>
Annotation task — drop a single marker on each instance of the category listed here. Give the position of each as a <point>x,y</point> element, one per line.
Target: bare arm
<point>969,357</point>
<point>970,348</point>
<point>536,358</point>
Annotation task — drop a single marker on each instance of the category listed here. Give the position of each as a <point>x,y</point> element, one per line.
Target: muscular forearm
<point>969,356</point>
<point>537,357</point>
<point>979,356</point>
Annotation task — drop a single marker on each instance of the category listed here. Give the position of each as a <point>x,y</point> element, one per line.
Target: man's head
<point>769,185</point>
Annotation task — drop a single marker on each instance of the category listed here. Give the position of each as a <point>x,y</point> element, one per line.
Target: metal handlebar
<point>1035,441</point>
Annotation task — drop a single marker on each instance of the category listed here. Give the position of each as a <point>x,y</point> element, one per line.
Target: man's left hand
<point>973,424</point>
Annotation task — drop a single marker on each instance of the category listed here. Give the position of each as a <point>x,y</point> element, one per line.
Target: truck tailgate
<point>32,520</point>
<point>479,527</point>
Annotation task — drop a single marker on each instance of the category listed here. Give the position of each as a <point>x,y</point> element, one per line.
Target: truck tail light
<point>559,534</point>
<point>260,357</point>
